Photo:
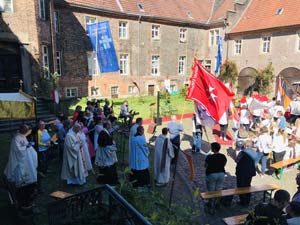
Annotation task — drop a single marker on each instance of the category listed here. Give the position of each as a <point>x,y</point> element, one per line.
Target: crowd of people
<point>86,142</point>
<point>266,132</point>
<point>86,145</point>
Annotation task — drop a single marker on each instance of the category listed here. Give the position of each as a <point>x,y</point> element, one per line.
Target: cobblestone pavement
<point>184,188</point>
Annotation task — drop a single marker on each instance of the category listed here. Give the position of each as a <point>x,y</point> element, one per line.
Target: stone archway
<point>245,80</point>
<point>290,74</point>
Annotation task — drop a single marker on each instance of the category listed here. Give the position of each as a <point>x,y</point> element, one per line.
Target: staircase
<point>43,113</point>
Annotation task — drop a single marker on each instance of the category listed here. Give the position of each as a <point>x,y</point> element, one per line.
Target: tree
<point>263,79</point>
<point>48,84</point>
<point>228,72</point>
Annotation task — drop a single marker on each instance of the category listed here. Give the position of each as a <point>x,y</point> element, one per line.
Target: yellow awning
<point>16,106</point>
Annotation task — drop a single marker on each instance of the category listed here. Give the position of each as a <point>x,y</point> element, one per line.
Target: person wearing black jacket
<point>270,213</point>
<point>245,170</point>
<point>106,157</point>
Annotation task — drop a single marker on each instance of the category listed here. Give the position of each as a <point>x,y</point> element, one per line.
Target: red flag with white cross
<point>208,91</point>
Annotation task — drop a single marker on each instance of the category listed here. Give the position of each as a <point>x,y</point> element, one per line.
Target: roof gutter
<point>158,19</point>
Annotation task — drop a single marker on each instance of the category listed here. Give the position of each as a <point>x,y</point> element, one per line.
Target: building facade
<point>150,50</point>
<point>268,32</point>
<point>155,43</point>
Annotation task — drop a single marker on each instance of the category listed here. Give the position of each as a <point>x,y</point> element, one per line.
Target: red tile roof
<point>261,14</point>
<point>105,4</point>
<point>199,11</point>
<point>175,9</point>
<point>221,12</point>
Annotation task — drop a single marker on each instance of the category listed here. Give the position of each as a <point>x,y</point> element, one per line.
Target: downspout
<point>52,35</point>
<point>53,45</point>
<point>139,36</point>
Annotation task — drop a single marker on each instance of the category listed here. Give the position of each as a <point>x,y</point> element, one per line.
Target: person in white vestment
<point>74,169</point>
<point>21,168</point>
<point>164,153</point>
<point>87,157</point>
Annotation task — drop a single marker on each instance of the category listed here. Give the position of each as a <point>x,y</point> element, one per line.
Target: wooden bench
<point>240,191</point>
<point>280,165</point>
<point>235,220</point>
<point>60,194</point>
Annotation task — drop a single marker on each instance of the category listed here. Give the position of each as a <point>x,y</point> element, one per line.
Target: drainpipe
<point>52,35</point>
<point>226,36</point>
<point>53,45</point>
<point>139,36</point>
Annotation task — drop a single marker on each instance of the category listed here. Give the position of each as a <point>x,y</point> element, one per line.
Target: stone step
<point>12,125</point>
<point>43,113</point>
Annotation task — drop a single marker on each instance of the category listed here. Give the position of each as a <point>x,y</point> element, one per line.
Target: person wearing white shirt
<point>279,146</point>
<point>275,109</point>
<point>244,118</point>
<point>264,144</point>
<point>174,132</point>
<point>223,125</point>
<point>295,109</point>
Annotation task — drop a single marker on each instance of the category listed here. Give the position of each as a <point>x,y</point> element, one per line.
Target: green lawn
<point>142,105</point>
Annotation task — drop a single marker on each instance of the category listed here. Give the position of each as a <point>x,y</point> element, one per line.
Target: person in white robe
<point>164,153</point>
<point>74,169</point>
<point>86,154</point>
<point>21,168</point>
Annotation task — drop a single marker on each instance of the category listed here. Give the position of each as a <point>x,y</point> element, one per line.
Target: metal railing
<point>101,205</point>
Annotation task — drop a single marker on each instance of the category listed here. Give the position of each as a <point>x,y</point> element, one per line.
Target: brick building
<point>153,45</point>
<point>25,43</point>
<point>155,40</point>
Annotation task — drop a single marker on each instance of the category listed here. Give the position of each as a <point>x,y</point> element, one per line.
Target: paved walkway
<point>184,189</point>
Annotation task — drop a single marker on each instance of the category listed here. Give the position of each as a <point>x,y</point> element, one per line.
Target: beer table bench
<point>281,164</point>
<point>266,188</point>
<point>235,220</point>
<point>60,194</point>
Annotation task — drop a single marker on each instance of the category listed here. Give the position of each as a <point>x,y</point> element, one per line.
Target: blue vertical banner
<point>219,56</point>
<point>103,45</point>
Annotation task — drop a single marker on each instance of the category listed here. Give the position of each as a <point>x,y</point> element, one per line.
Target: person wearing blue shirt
<point>139,159</point>
<point>281,122</point>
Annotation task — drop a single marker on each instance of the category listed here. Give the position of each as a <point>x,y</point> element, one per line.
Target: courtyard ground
<point>184,189</point>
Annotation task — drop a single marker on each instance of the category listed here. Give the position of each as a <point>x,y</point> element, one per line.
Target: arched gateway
<point>245,80</point>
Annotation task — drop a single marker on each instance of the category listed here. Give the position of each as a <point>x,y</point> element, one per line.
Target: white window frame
<point>88,19</point>
<point>266,44</point>
<point>238,47</point>
<point>95,91</point>
<point>123,29</point>
<point>124,64</point>
<point>182,35</point>
<point>93,68</point>
<point>113,91</point>
<point>42,9</point>
<point>131,89</point>
<point>155,67</point>
<point>69,92</point>
<point>207,64</point>
<point>58,62</point>
<point>6,6</point>
<point>45,54</point>
<point>213,37</point>
<point>181,65</point>
<point>56,21</point>
<point>155,32</point>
